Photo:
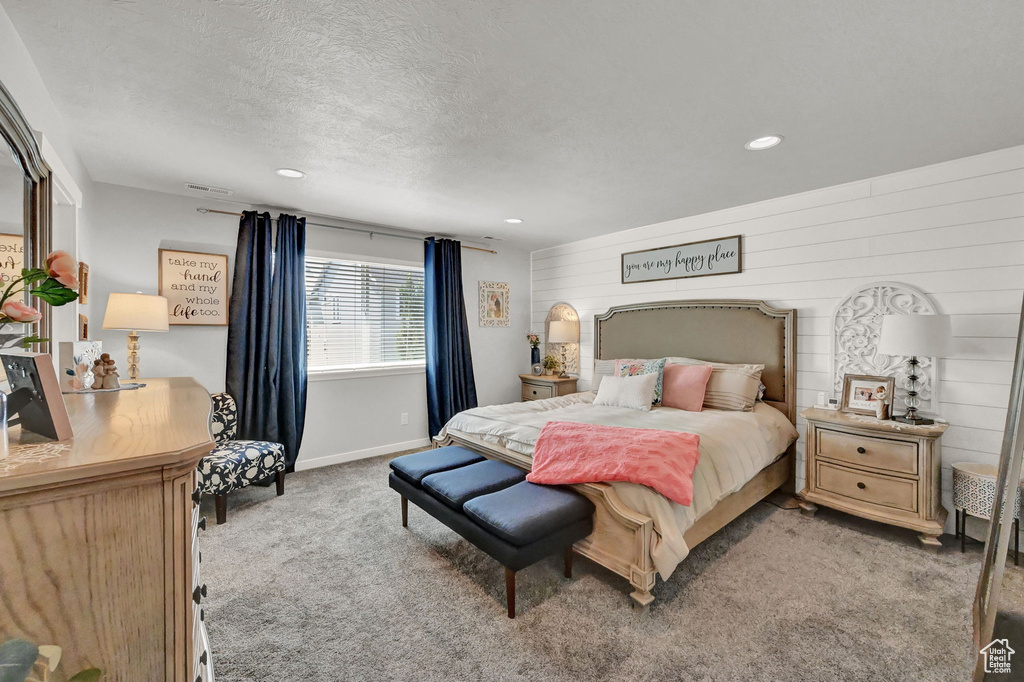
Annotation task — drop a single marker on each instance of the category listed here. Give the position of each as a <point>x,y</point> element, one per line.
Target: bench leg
<point>405,512</point>
<point>280,483</point>
<point>568,561</point>
<point>510,591</point>
<point>221,502</point>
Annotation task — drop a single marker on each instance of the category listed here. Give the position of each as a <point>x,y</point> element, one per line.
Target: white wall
<point>346,417</point>
<point>954,230</point>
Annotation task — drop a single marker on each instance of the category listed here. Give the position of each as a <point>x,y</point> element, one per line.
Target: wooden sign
<point>697,259</point>
<point>195,286</point>
<point>12,257</point>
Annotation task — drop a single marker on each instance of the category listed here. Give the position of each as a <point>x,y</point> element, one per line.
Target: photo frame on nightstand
<point>861,392</point>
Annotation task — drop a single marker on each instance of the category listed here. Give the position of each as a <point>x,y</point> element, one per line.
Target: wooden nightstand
<point>538,388</point>
<point>880,470</point>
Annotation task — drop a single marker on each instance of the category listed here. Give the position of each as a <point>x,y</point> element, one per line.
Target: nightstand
<point>880,470</point>
<point>538,388</point>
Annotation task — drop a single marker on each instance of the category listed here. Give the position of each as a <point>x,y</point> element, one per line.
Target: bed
<point>745,456</point>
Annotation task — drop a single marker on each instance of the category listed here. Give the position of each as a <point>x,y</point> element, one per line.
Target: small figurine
<point>98,372</point>
<point>881,403</point>
<point>110,374</point>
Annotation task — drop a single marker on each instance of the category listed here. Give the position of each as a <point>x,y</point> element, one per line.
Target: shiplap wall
<point>954,230</point>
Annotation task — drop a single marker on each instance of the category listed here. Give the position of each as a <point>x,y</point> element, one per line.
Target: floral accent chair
<point>234,464</point>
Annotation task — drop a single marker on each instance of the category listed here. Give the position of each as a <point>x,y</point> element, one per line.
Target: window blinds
<point>363,315</point>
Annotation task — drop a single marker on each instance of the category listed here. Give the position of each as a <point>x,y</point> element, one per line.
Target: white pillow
<point>635,393</point>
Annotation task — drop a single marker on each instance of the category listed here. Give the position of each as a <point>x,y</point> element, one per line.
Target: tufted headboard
<point>734,331</point>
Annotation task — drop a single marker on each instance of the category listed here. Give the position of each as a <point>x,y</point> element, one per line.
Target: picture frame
<point>35,395</point>
<point>195,285</point>
<point>494,303</point>
<point>859,391</point>
<point>83,327</point>
<point>83,283</point>
<point>705,258</point>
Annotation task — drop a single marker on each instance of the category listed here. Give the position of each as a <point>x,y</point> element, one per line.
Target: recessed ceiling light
<point>513,221</point>
<point>766,142</point>
<point>290,173</point>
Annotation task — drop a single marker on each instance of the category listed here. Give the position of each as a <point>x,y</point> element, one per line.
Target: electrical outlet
<point>405,419</point>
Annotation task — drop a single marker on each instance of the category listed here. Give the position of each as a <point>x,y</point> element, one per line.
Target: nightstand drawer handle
<point>861,485</point>
<point>861,451</point>
<point>535,392</point>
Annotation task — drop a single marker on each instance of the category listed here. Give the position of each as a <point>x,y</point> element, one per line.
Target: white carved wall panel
<point>564,311</point>
<point>856,325</point>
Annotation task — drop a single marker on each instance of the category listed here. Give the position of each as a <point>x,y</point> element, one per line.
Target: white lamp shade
<point>923,335</point>
<point>136,312</point>
<point>562,331</point>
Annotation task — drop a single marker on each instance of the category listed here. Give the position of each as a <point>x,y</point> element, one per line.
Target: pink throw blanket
<point>568,452</point>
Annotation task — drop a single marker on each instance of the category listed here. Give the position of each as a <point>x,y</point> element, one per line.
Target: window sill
<point>367,373</point>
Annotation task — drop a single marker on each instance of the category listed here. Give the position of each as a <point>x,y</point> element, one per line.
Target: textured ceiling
<point>581,117</point>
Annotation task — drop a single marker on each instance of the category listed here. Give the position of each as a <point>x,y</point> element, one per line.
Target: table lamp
<point>914,335</point>
<point>135,313</point>
<point>562,332</point>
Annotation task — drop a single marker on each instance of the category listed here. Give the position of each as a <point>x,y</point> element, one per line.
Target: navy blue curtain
<point>248,321</point>
<point>288,337</point>
<point>450,384</point>
<point>266,370</point>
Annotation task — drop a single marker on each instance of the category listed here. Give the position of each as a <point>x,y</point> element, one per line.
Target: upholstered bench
<point>493,506</point>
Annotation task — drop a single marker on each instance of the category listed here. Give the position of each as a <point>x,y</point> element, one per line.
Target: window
<point>363,315</point>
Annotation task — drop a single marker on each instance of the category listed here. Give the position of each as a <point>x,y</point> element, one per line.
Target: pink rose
<point>62,266</point>
<point>17,311</point>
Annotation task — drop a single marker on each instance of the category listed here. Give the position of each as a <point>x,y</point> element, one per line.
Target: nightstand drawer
<point>899,493</point>
<point>877,453</point>
<point>538,391</point>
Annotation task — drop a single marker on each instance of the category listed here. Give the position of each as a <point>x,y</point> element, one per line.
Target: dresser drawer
<point>877,453</point>
<point>538,391</point>
<point>886,491</point>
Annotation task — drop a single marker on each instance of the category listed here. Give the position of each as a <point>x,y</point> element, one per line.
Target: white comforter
<point>734,447</point>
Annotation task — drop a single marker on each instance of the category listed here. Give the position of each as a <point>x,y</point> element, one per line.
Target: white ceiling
<point>580,117</point>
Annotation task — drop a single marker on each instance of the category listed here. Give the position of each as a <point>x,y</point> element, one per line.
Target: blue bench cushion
<point>235,464</point>
<point>457,486</point>
<point>526,512</point>
<point>414,467</point>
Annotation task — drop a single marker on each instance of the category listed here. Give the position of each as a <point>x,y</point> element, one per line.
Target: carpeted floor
<point>325,584</point>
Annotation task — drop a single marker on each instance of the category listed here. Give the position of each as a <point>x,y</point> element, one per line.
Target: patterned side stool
<point>234,464</point>
<point>974,491</point>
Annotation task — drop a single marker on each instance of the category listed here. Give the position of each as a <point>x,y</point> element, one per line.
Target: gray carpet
<point>325,584</point>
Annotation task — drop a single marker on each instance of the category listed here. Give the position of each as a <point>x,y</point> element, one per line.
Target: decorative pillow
<point>635,393</point>
<point>602,369</point>
<point>683,386</point>
<point>640,367</point>
<point>731,387</point>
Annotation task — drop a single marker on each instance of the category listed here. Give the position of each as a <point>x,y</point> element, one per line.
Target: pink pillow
<point>684,385</point>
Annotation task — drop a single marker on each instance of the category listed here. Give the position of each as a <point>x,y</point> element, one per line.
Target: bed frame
<point>734,331</point>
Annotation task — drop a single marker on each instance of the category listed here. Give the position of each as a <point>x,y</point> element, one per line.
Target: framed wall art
<point>494,304</point>
<point>83,283</point>
<point>12,256</point>
<point>196,287</point>
<point>722,256</point>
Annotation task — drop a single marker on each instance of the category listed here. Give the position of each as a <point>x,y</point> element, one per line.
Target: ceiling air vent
<point>209,190</point>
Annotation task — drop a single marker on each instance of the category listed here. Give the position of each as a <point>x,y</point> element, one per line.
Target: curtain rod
<point>351,229</point>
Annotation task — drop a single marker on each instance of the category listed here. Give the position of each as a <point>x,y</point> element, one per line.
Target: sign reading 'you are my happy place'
<point>195,286</point>
<point>696,259</point>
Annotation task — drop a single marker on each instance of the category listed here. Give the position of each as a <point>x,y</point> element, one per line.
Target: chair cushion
<point>237,463</point>
<point>456,486</point>
<point>414,467</point>
<point>527,512</point>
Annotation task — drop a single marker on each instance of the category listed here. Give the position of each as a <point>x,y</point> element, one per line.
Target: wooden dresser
<point>541,387</point>
<point>881,470</point>
<point>99,548</point>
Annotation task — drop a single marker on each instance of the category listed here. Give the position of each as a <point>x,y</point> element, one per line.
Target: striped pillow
<point>731,387</point>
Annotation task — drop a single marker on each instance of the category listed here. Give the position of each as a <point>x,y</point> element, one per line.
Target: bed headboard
<point>734,331</point>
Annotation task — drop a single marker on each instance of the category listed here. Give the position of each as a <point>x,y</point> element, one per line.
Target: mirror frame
<point>997,542</point>
<point>14,128</point>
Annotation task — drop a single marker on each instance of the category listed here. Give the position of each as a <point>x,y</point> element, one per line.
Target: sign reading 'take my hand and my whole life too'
<point>697,259</point>
<point>195,286</point>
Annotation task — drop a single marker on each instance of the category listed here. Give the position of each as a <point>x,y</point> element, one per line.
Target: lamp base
<point>913,420</point>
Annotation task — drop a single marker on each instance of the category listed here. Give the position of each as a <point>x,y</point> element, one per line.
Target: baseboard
<point>352,456</point>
